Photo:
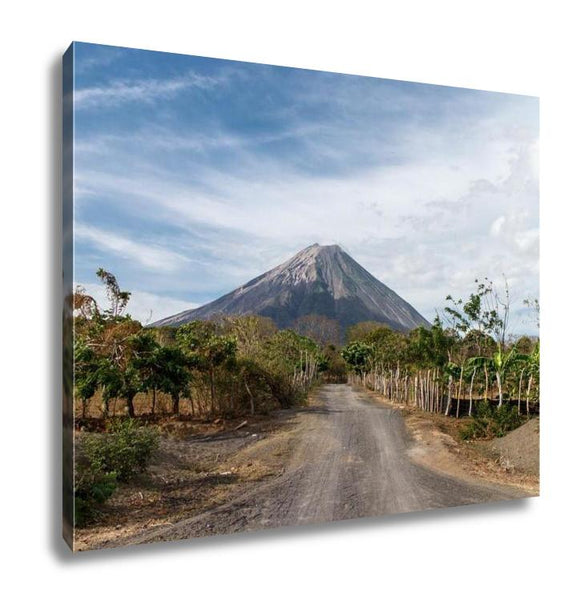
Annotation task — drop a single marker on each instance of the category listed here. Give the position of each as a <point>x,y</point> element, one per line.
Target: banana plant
<point>499,363</point>
<point>452,370</point>
<point>533,369</point>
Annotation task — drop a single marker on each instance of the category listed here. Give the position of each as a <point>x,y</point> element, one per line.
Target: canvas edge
<point>67,295</point>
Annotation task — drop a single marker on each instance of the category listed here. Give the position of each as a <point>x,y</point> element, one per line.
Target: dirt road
<point>349,459</point>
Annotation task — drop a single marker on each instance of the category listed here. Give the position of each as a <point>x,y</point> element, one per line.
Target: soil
<point>198,466</point>
<point>437,445</point>
<point>345,456</point>
<point>518,451</point>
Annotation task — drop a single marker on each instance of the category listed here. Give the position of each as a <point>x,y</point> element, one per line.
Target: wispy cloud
<point>100,58</point>
<point>121,91</point>
<point>385,217</point>
<point>427,187</point>
<point>146,255</point>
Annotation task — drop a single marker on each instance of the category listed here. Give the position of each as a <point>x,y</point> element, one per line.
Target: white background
<point>518,557</point>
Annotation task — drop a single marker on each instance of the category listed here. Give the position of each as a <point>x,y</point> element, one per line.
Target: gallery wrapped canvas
<point>291,297</point>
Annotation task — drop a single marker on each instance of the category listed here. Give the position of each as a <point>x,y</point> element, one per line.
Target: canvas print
<point>291,297</point>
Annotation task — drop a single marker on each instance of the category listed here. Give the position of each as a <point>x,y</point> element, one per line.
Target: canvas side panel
<point>67,290</point>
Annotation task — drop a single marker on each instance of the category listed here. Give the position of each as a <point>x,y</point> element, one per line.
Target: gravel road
<point>349,460</point>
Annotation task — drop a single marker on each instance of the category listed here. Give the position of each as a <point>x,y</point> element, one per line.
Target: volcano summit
<point>322,280</point>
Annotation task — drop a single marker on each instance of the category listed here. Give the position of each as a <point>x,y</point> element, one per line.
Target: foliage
<point>321,329</point>
<point>359,331</point>
<point>86,370</point>
<point>125,450</point>
<point>104,460</point>
<point>490,421</point>
<point>170,372</point>
<point>357,356</point>
<point>431,347</point>
<point>438,368</point>
<point>92,488</point>
<point>238,364</point>
<point>333,365</point>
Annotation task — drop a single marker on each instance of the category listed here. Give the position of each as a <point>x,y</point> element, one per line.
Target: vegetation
<point>125,450</point>
<point>103,460</point>
<point>490,421</point>
<point>243,365</point>
<point>464,364</point>
<point>203,369</point>
<point>467,365</point>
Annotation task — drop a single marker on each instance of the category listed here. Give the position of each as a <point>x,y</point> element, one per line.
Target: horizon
<point>195,175</point>
<point>100,297</point>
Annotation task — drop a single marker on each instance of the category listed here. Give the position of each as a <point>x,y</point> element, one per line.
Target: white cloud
<point>527,241</point>
<point>150,256</point>
<point>427,211</point>
<point>497,226</point>
<point>143,90</point>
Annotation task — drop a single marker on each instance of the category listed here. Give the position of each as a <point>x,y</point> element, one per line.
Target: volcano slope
<point>319,280</point>
<point>349,460</point>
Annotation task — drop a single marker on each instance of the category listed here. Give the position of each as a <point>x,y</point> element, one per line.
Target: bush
<point>91,489</point>
<point>490,421</point>
<point>105,459</point>
<point>125,450</point>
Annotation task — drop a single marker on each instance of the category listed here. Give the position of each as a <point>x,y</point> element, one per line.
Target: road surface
<point>349,460</point>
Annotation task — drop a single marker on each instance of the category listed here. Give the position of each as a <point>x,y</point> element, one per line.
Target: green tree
<point>86,364</point>
<point>172,373</point>
<point>208,351</point>
<point>358,355</point>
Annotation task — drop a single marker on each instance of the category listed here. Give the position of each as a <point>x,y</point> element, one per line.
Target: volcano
<point>319,280</point>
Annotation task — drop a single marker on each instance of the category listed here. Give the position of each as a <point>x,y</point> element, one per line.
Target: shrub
<point>91,489</point>
<point>125,450</point>
<point>105,459</point>
<point>490,421</point>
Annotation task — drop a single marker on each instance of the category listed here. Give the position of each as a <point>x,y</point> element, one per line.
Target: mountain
<point>321,280</point>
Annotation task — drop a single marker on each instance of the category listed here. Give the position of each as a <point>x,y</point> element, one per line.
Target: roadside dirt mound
<point>520,449</point>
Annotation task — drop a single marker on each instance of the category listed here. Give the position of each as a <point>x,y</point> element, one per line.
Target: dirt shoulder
<point>198,467</point>
<point>436,445</point>
<point>346,457</point>
<point>337,458</point>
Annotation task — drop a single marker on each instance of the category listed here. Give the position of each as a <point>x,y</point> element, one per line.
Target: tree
<point>208,350</point>
<point>321,329</point>
<point>118,298</point>
<point>357,355</point>
<point>172,373</point>
<point>139,373</point>
<point>86,372</point>
<point>251,332</point>
<point>488,313</point>
<point>360,330</point>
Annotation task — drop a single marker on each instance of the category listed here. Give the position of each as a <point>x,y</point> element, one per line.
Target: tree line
<point>466,356</point>
<point>225,367</point>
<point>243,364</point>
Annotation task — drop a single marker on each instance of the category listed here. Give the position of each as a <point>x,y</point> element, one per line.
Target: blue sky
<point>194,175</point>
